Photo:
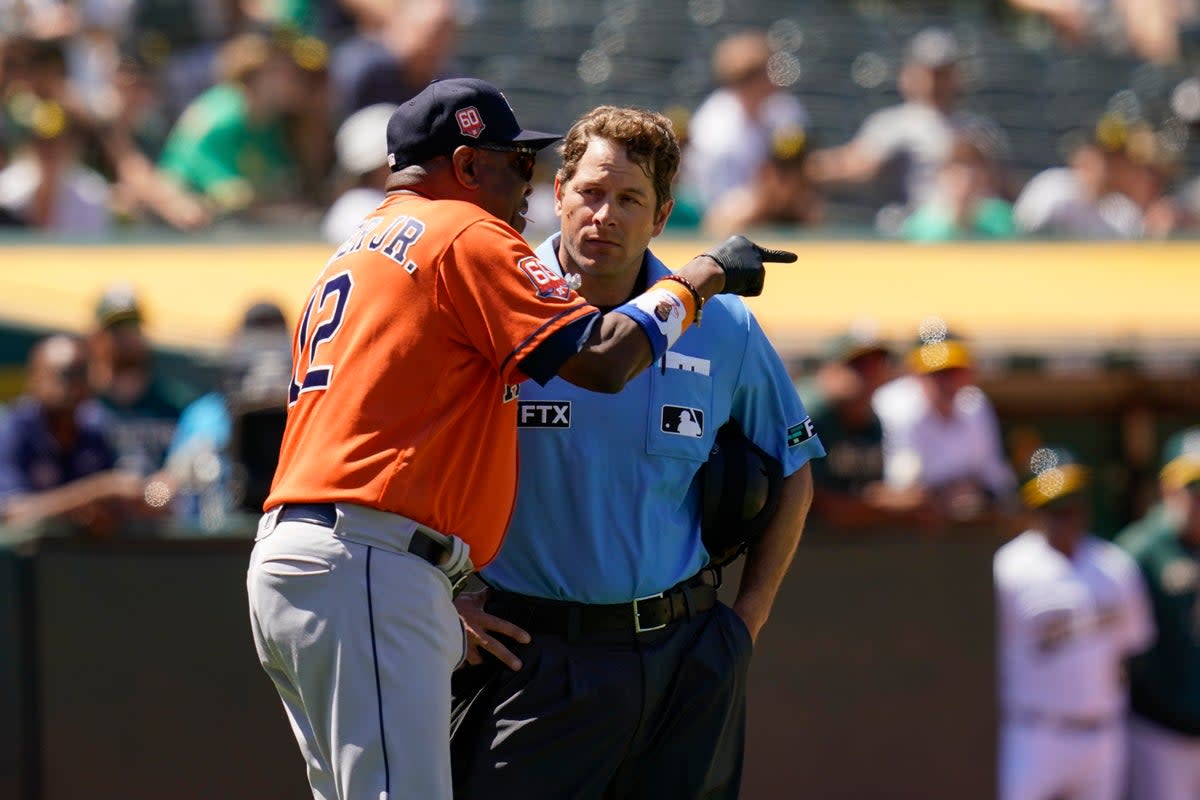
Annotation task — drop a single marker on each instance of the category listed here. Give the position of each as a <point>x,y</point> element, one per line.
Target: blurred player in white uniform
<point>1072,608</point>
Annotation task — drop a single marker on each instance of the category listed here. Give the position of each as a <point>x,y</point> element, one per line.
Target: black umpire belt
<point>644,615</point>
<point>421,545</point>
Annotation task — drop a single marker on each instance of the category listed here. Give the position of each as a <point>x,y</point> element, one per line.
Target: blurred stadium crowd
<point>925,121</point>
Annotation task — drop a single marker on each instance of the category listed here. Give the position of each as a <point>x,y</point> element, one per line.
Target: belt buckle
<point>637,615</point>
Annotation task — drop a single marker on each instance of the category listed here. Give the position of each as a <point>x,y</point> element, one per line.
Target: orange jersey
<point>405,365</point>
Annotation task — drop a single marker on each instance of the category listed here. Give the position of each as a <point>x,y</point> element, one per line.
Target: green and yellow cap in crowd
<point>938,348</point>
<point>1181,459</point>
<point>1054,473</point>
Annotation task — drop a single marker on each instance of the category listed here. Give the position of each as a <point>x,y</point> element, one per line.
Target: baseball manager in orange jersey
<point>398,467</point>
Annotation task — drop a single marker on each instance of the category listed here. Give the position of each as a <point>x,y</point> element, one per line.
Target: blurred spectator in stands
<point>48,19</point>
<point>1149,29</point>
<point>223,455</point>
<point>37,70</point>
<point>916,136</point>
<point>116,119</point>
<point>401,45</point>
<point>133,134</point>
<point>182,39</point>
<point>46,184</point>
<point>940,432</point>
<point>1185,106</point>
<point>232,144</point>
<point>1090,198</point>
<point>729,137</point>
<point>781,193</point>
<point>1084,199</point>
<point>57,463</point>
<point>966,202</point>
<point>849,491</point>
<point>143,405</point>
<point>305,16</point>
<point>362,158</point>
<point>1164,682</point>
<point>688,213</point>
<point>308,127</point>
<point>541,217</point>
<point>1146,176</point>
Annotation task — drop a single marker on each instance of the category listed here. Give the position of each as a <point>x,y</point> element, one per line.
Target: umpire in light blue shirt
<point>601,664</point>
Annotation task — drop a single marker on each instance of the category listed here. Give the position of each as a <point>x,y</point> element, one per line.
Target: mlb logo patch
<point>548,283</point>
<point>469,121</point>
<point>683,421</point>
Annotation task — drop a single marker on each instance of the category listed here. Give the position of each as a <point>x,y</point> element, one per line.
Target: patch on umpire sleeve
<point>544,414</point>
<point>801,432</point>
<point>683,421</point>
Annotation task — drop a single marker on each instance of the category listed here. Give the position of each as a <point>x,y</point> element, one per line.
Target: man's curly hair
<point>647,136</point>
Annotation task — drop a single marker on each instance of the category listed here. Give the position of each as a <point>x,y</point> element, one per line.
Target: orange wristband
<point>663,312</point>
<point>685,295</point>
<point>696,298</point>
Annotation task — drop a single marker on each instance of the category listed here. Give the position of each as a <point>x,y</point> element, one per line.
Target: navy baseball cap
<point>454,112</point>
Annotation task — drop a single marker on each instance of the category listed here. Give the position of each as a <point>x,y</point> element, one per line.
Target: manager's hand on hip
<point>742,260</point>
<point>478,624</point>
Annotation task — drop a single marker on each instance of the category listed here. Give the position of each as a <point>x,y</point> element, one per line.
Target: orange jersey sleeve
<point>404,358</point>
<point>502,307</point>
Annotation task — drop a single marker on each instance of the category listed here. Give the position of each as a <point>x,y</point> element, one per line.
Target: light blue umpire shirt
<point>608,508</point>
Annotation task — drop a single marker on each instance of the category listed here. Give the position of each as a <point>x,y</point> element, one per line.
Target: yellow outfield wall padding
<point>194,294</point>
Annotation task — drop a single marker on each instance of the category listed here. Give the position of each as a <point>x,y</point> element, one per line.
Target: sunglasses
<point>522,159</point>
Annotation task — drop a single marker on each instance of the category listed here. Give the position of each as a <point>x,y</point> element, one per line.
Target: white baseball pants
<point>360,642</point>
<point>1038,762</point>
<point>1163,764</point>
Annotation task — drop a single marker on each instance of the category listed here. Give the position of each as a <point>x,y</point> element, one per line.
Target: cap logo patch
<point>548,284</point>
<point>469,121</point>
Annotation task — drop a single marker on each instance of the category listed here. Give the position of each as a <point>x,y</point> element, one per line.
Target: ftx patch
<point>801,432</point>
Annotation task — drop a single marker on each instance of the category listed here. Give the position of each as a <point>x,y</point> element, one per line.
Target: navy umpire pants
<point>607,715</point>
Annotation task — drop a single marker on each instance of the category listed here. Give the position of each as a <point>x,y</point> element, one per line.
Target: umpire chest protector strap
<point>740,486</point>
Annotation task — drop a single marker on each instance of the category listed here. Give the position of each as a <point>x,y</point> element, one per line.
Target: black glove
<point>743,262</point>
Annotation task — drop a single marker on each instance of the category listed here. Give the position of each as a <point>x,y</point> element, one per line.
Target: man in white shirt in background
<point>46,184</point>
<point>730,135</point>
<point>940,432</point>
<point>916,135</point>
<point>1082,199</point>
<point>362,158</point>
